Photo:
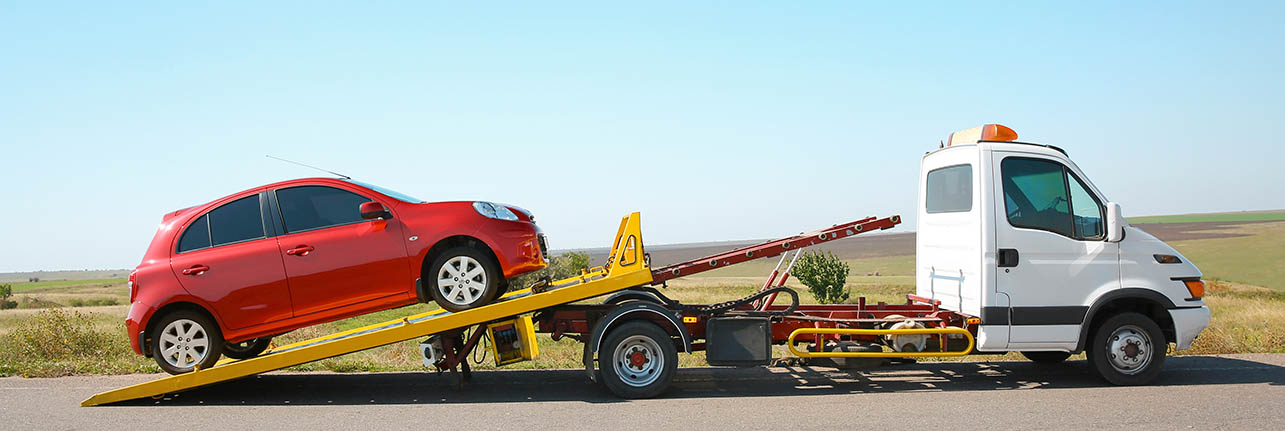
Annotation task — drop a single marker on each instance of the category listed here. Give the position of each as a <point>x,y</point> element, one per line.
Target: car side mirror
<point>1115,222</point>
<point>373,210</point>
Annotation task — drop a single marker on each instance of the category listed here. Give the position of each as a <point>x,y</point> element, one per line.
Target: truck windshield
<point>390,193</point>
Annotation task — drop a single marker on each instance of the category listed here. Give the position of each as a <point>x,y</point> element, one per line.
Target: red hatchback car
<point>223,278</point>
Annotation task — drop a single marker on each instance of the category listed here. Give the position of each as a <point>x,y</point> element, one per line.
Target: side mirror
<point>373,210</point>
<point>1115,222</point>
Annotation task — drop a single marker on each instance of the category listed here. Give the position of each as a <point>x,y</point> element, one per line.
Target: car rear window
<point>236,221</point>
<point>950,189</point>
<point>197,236</point>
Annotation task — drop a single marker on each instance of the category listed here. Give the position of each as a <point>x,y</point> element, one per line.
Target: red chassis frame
<point>578,321</point>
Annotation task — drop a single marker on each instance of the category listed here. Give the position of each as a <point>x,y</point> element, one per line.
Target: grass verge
<point>60,341</point>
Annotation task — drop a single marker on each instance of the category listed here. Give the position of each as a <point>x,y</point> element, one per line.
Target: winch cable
<point>722,307</point>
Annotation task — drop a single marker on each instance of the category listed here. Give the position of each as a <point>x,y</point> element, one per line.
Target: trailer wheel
<point>637,360</point>
<point>463,278</point>
<point>1047,357</point>
<point>246,349</point>
<point>1128,349</point>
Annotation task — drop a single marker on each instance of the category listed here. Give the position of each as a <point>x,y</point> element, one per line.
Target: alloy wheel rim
<point>461,280</point>
<point>637,361</point>
<point>1129,349</point>
<point>184,343</point>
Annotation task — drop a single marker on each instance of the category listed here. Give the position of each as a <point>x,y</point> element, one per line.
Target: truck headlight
<point>495,211</point>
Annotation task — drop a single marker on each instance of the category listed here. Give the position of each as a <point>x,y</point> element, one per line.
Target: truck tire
<point>1047,357</point>
<point>462,278</point>
<point>246,349</point>
<point>1128,349</point>
<point>637,360</point>
<point>185,340</point>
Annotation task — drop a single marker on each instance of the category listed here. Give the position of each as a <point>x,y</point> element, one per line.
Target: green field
<point>1212,217</point>
<point>1257,259</point>
<point>24,286</point>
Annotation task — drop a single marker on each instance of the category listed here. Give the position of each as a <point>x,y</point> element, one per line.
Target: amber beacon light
<point>989,132</point>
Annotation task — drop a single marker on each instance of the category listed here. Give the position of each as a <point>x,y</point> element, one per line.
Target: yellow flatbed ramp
<point>626,268</point>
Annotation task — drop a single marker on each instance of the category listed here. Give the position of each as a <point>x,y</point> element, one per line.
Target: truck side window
<point>1086,210</point>
<point>1035,195</point>
<point>950,189</point>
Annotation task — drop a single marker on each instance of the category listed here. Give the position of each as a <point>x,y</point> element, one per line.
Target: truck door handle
<point>1007,257</point>
<point>302,250</point>
<point>196,270</point>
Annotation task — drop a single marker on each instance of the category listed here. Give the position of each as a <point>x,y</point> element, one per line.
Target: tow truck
<point>1015,251</point>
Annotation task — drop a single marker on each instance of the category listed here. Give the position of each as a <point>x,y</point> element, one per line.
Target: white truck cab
<point>1016,234</point>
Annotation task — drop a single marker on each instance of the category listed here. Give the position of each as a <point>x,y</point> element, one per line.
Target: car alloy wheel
<point>184,343</point>
<point>462,280</point>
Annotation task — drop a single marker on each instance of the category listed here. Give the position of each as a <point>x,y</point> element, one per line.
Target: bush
<point>58,334</point>
<point>6,291</point>
<point>824,275</point>
<point>34,302</point>
<point>565,265</point>
<point>78,302</point>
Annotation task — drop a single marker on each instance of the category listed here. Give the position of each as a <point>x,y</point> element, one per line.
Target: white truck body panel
<point>1064,268</point>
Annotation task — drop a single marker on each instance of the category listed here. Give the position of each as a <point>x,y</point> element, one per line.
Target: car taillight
<point>133,284</point>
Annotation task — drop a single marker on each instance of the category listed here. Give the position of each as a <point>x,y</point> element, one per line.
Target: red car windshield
<point>390,193</point>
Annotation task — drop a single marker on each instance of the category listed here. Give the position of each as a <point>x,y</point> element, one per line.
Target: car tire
<point>1128,349</point>
<point>462,278</point>
<point>186,340</point>
<point>637,360</point>
<point>246,349</point>
<point>1047,357</point>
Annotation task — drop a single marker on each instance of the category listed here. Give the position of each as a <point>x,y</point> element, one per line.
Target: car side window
<point>236,221</point>
<point>197,235</point>
<point>314,207</point>
<point>1086,211</point>
<point>1035,195</point>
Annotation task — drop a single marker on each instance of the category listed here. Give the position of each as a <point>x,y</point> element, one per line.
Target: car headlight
<point>495,211</point>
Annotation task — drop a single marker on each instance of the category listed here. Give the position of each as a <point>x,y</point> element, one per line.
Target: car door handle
<point>196,270</point>
<point>302,250</point>
<point>1008,257</point>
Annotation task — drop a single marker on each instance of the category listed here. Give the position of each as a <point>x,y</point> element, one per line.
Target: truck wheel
<point>246,349</point>
<point>1047,357</point>
<point>463,278</point>
<point>1128,349</point>
<point>184,340</point>
<point>637,360</point>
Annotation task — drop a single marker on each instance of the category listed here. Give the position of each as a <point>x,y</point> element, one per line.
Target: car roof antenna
<point>309,166</point>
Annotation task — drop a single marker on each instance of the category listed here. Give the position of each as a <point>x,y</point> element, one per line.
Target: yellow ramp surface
<point>625,268</point>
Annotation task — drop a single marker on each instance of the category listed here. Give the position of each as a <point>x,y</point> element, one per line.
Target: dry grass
<point>1245,319</point>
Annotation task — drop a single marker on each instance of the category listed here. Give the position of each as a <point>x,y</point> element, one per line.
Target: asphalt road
<point>1208,392</point>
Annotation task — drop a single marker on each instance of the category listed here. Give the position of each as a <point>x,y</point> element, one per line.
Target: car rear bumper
<point>1187,324</point>
<point>138,312</point>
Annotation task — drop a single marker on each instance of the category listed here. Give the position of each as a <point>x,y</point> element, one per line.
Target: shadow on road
<point>574,385</point>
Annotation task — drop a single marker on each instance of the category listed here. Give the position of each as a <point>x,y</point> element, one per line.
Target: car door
<point>1052,254</point>
<point>332,256</point>
<point>228,258</point>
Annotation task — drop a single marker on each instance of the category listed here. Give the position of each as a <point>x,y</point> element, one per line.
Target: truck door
<point>1052,256</point>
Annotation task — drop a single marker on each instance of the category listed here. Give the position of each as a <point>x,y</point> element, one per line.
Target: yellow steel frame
<point>626,268</point>
<point>913,331</point>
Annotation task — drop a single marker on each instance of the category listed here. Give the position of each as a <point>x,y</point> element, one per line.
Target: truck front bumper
<point>1187,324</point>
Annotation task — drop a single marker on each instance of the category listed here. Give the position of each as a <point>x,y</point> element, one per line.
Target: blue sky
<point>718,120</point>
